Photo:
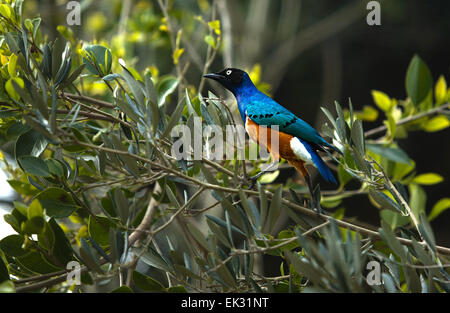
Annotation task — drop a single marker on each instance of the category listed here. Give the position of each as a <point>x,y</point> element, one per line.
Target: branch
<point>289,203</point>
<point>263,250</point>
<point>69,96</point>
<point>141,230</point>
<point>408,119</point>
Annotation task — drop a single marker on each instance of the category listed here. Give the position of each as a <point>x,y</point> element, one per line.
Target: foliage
<point>99,186</point>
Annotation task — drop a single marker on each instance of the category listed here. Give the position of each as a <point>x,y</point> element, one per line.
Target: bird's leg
<point>300,166</point>
<point>270,168</point>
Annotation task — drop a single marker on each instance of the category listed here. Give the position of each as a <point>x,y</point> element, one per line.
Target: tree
<point>100,187</point>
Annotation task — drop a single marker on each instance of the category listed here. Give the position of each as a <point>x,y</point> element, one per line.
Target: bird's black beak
<point>214,76</point>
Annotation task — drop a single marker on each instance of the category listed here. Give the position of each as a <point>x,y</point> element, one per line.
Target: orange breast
<point>263,136</point>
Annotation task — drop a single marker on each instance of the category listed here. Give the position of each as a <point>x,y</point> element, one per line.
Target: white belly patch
<point>300,150</point>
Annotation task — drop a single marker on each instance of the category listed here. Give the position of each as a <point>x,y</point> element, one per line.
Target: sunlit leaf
<point>439,208</point>
<point>382,100</point>
<point>436,124</point>
<point>440,90</point>
<point>418,80</point>
<point>428,179</point>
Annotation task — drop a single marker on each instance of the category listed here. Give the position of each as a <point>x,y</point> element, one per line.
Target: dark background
<point>377,57</point>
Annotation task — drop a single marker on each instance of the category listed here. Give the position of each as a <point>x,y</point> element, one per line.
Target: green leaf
<point>223,223</point>
<point>428,179</point>
<point>417,199</point>
<point>12,65</point>
<point>89,259</point>
<point>218,232</point>
<point>418,80</point>
<point>263,204</point>
<point>100,232</point>
<point>177,54</point>
<point>121,204</point>
<point>33,165</point>
<point>393,243</point>
<point>368,113</point>
<point>382,100</point>
<point>250,209</point>
<point>147,283</point>
<point>390,152</point>
<point>175,118</point>
<point>4,273</point>
<point>384,201</point>
<point>122,289</point>
<point>24,43</point>
<point>438,208</point>
<point>56,167</point>
<point>394,219</point>
<point>98,59</point>
<point>427,232</point>
<point>7,287</point>
<point>57,202</point>
<point>57,51</point>
<point>35,215</point>
<point>9,87</point>
<point>63,71</point>
<point>198,236</point>
<point>436,124</point>
<point>215,25</point>
<point>75,74</point>
<point>357,135</point>
<point>130,162</point>
<point>165,87</point>
<point>38,126</point>
<point>304,268</point>
<point>150,90</point>
<point>275,207</point>
<point>440,90</point>
<point>388,283</point>
<point>47,61</point>
<point>269,177</point>
<point>12,245</point>
<point>5,10</point>
<point>30,143</point>
<point>35,262</point>
<point>152,105</point>
<point>210,41</point>
<point>62,249</point>
<point>331,202</point>
<point>152,258</point>
<point>177,289</point>
<point>12,43</point>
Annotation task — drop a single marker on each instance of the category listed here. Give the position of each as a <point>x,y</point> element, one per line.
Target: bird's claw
<point>316,207</point>
<point>253,179</point>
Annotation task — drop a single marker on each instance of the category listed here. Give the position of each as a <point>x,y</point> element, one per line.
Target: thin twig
<point>408,119</point>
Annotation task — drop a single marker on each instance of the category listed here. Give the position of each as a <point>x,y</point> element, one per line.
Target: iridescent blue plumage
<point>264,111</point>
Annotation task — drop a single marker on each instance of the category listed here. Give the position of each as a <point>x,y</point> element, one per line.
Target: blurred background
<point>307,53</point>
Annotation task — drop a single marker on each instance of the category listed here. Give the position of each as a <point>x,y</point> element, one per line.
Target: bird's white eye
<point>228,72</point>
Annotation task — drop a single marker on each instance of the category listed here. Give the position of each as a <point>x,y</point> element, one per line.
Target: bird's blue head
<point>238,82</point>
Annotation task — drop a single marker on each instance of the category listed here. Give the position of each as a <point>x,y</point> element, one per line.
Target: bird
<point>298,142</point>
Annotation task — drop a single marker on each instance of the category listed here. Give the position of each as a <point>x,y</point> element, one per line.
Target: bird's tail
<point>320,164</point>
<point>323,168</point>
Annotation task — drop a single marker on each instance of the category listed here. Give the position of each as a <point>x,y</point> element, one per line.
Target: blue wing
<point>265,111</point>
